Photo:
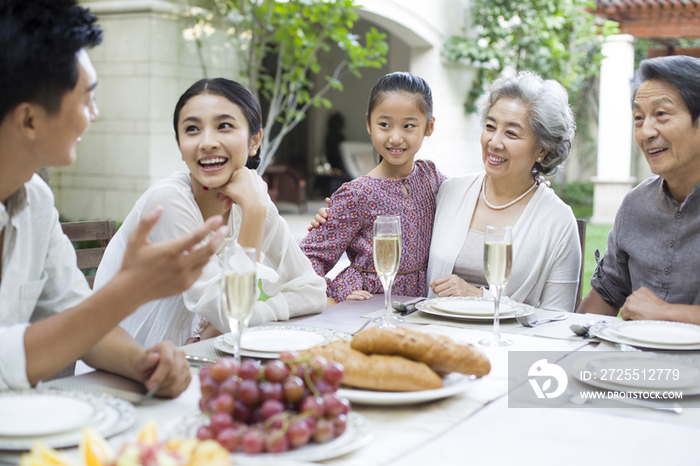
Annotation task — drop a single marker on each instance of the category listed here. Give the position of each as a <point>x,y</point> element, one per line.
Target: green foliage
<point>557,39</point>
<point>293,32</point>
<point>596,238</point>
<point>575,193</point>
<point>582,211</point>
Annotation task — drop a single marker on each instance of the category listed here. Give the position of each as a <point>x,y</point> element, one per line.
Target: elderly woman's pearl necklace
<point>504,206</point>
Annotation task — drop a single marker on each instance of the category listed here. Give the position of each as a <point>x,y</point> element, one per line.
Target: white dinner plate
<point>454,384</point>
<point>429,307</point>
<point>658,331</point>
<point>278,340</point>
<point>471,308</point>
<point>603,332</point>
<point>356,435</point>
<point>118,416</point>
<point>24,414</point>
<point>688,382</point>
<point>297,338</point>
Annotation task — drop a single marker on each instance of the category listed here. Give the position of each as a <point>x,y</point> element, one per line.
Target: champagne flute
<point>498,260</point>
<point>238,291</point>
<point>387,255</point>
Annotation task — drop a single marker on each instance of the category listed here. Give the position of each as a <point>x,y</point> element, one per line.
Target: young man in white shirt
<point>48,315</point>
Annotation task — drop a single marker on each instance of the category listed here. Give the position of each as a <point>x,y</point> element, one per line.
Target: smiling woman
<point>528,131</point>
<point>218,128</point>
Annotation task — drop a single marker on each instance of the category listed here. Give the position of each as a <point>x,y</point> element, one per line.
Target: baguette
<point>376,372</point>
<point>437,351</point>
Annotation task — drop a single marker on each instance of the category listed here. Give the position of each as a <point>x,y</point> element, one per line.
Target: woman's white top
<point>546,249</point>
<point>298,291</point>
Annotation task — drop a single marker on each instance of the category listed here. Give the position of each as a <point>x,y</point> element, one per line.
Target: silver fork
<point>361,328</point>
<point>149,394</point>
<point>522,318</point>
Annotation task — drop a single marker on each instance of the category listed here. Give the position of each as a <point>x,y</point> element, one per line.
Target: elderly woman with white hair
<point>528,129</point>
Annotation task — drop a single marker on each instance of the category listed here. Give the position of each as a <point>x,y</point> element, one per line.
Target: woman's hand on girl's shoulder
<point>246,189</point>
<point>320,218</point>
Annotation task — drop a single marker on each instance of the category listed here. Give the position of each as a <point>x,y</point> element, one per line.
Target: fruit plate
<point>356,435</point>
<point>454,384</point>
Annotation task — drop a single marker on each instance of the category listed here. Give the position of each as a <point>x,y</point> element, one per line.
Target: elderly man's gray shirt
<point>655,243</point>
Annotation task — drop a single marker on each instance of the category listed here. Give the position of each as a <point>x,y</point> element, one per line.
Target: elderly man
<point>649,270</point>
<point>48,314</point>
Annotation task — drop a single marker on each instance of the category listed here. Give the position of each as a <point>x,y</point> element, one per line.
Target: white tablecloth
<point>478,427</point>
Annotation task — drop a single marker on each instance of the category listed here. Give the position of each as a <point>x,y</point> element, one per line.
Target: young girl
<point>399,116</point>
<point>218,128</point>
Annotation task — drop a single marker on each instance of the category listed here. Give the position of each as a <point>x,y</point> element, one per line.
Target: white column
<point>613,178</point>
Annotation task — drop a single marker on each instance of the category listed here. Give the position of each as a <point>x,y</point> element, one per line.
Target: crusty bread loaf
<point>437,351</point>
<point>376,372</point>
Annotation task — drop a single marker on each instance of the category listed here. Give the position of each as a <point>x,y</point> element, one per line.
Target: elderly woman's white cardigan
<point>546,250</point>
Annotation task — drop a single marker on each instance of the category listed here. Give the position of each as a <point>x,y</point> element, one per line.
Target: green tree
<point>557,39</point>
<point>278,43</point>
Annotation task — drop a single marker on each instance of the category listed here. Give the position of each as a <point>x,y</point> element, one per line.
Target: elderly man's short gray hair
<point>548,112</point>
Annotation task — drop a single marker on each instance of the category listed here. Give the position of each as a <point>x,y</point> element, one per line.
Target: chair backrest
<point>581,224</point>
<point>358,157</point>
<point>100,231</point>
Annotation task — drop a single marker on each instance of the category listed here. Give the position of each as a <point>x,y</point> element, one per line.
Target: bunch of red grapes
<point>275,407</point>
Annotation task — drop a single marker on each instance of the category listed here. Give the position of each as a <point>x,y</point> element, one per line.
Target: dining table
<point>480,425</point>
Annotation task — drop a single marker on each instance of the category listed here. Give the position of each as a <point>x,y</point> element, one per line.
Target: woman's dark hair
<point>681,72</point>
<point>401,82</point>
<point>234,92</point>
<point>39,40</point>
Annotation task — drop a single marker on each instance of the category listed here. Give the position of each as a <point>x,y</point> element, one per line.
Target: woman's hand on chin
<point>452,285</point>
<point>246,189</point>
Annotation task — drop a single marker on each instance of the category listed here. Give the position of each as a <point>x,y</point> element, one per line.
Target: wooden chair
<point>90,257</point>
<point>285,183</point>
<point>581,224</point>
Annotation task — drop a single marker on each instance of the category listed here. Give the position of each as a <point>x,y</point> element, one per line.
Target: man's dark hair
<point>680,71</point>
<point>39,40</point>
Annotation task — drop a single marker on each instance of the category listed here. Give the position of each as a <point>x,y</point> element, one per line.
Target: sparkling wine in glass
<point>238,291</point>
<point>498,260</point>
<point>387,255</point>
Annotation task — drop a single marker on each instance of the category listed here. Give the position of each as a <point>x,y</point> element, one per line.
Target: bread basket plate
<point>356,435</point>
<point>454,384</point>
<point>431,307</point>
